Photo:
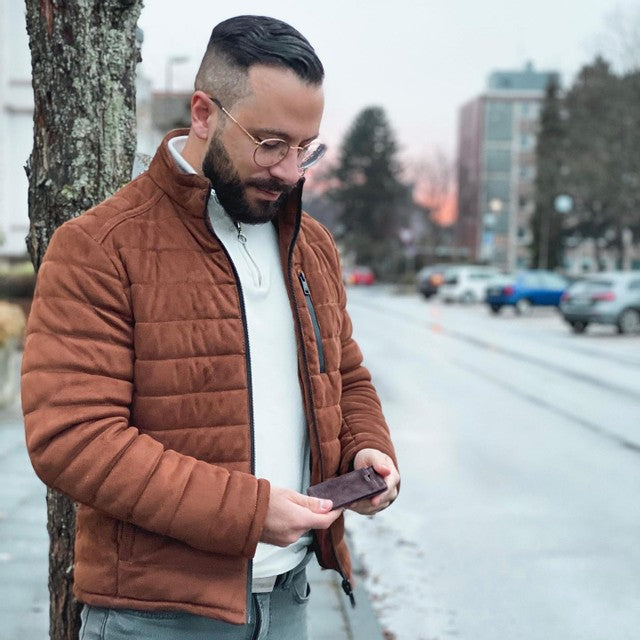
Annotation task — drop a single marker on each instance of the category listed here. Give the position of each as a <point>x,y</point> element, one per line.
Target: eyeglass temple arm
<point>219,105</point>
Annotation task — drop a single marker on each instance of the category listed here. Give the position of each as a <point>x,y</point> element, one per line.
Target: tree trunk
<point>84,55</point>
<point>598,254</point>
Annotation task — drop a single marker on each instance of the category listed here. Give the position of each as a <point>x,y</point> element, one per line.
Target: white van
<point>467,283</point>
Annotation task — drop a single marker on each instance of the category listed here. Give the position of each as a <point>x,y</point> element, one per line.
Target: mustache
<point>271,185</point>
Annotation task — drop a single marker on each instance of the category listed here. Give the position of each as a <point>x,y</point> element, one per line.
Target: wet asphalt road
<point>519,446</point>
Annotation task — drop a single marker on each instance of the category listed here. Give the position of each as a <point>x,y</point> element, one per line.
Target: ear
<point>204,115</point>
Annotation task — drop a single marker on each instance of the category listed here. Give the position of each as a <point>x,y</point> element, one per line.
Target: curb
<point>9,359</point>
<point>331,616</point>
<point>363,620</point>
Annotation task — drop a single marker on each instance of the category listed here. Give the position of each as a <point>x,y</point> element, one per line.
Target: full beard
<point>231,191</point>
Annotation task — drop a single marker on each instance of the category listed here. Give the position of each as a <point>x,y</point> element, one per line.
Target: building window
<point>529,110</point>
<point>527,173</point>
<point>498,160</point>
<point>527,142</point>
<point>499,121</point>
<point>498,189</point>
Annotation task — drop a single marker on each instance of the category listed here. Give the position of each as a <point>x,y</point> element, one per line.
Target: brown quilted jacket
<point>137,394</point>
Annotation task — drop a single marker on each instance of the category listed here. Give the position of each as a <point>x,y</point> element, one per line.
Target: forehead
<point>280,102</point>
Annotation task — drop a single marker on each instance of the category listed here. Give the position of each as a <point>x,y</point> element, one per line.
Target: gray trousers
<point>278,615</point>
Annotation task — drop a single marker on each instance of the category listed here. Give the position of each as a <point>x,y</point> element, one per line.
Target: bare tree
<point>620,40</point>
<point>83,56</point>
<point>434,193</point>
<point>433,177</point>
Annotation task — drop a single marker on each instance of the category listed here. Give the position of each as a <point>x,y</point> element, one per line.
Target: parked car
<point>429,279</point>
<point>525,289</point>
<point>604,298</point>
<point>466,283</point>
<point>360,275</point>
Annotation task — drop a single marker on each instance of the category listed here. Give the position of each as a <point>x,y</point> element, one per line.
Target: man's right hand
<point>291,514</point>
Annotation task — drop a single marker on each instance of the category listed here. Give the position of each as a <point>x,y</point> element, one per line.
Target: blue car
<point>525,289</point>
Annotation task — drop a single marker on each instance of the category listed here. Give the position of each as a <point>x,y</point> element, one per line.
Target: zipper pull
<point>305,286</point>
<point>346,587</point>
<point>242,239</point>
<point>314,319</point>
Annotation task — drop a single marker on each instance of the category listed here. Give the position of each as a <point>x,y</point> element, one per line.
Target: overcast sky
<point>419,60</point>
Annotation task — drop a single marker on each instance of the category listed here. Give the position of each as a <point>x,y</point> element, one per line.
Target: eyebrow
<point>265,134</point>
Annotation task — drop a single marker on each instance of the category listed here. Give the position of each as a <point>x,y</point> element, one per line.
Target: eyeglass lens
<point>270,152</point>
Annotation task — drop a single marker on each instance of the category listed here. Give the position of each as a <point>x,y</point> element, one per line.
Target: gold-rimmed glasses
<point>270,151</point>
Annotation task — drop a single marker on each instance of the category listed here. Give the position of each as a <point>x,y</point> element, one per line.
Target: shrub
<point>12,322</point>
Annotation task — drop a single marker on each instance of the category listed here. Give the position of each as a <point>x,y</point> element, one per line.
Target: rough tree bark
<point>84,55</point>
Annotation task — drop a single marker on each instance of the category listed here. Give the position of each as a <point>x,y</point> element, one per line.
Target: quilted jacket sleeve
<point>77,385</point>
<point>363,423</point>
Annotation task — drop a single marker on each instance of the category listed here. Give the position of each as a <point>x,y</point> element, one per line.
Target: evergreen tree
<point>371,197</point>
<point>546,223</point>
<point>589,148</point>
<point>595,107</point>
<point>628,200</point>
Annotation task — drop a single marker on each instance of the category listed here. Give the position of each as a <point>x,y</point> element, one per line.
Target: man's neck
<point>194,151</point>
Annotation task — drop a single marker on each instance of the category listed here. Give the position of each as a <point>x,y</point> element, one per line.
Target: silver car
<point>467,283</point>
<point>604,298</point>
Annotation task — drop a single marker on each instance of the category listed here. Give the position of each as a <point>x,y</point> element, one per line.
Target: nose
<point>287,170</point>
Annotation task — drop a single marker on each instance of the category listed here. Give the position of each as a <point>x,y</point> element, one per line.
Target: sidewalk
<point>24,599</point>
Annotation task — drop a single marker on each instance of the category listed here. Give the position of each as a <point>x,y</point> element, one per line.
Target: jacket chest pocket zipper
<point>314,319</point>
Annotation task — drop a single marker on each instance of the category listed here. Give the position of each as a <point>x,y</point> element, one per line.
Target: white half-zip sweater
<point>281,442</point>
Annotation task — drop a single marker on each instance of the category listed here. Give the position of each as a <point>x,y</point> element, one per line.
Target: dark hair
<point>249,40</point>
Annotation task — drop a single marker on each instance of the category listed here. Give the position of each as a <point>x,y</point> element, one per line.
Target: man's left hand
<point>383,464</point>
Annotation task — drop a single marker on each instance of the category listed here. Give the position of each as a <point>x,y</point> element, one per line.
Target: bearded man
<point>189,368</point>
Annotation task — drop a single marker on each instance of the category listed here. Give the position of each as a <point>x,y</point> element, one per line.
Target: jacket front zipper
<point>314,319</point>
<point>345,584</point>
<point>245,329</point>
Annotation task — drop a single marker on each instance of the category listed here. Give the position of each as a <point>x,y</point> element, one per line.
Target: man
<point>189,368</point>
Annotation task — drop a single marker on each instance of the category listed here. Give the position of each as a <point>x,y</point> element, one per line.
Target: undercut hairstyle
<point>239,43</point>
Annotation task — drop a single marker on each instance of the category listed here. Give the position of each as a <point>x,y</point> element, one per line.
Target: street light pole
<point>489,221</point>
<point>545,232</point>
<point>562,203</point>
<point>168,71</point>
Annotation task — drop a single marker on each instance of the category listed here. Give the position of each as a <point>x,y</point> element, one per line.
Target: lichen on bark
<point>84,55</point>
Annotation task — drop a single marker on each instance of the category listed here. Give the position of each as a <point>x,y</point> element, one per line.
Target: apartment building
<point>496,166</point>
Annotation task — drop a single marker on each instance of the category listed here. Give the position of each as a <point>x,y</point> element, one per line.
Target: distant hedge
<point>17,281</point>
<point>17,286</point>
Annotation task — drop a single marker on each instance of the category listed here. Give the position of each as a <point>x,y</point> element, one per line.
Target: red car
<point>360,275</point>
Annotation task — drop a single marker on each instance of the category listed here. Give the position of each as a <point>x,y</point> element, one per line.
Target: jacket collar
<point>190,192</point>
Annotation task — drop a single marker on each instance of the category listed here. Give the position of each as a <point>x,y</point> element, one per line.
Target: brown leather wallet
<point>350,487</point>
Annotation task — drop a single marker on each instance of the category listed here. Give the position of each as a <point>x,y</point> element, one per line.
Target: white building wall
<point>16,127</point>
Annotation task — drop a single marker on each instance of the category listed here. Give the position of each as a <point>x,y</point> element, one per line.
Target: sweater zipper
<point>242,239</point>
<point>247,357</point>
<point>345,584</point>
<point>314,319</point>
